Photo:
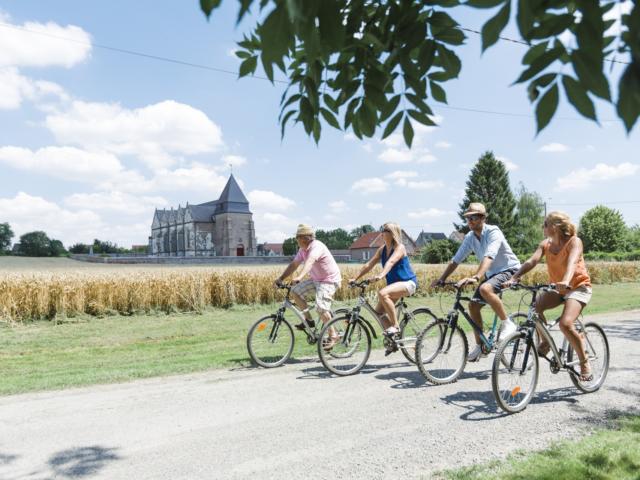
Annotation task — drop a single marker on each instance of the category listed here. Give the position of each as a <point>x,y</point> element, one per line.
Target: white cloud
<point>338,206</point>
<point>509,165</point>
<point>429,213</point>
<point>349,137</point>
<point>425,185</point>
<point>120,202</point>
<point>370,185</point>
<point>402,174</point>
<point>583,178</point>
<point>273,227</point>
<point>426,158</point>
<point>234,160</point>
<point>374,206</point>
<point>267,200</point>
<point>153,133</point>
<point>396,155</point>
<point>554,148</point>
<point>443,145</point>
<point>590,148</point>
<point>67,163</point>
<point>16,88</point>
<point>197,178</point>
<point>33,45</point>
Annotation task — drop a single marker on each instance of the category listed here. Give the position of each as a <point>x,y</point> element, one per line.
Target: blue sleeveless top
<point>401,271</point>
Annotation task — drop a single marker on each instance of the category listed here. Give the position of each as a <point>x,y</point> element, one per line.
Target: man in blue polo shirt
<point>497,262</point>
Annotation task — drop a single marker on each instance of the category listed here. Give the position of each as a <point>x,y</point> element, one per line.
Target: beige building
<point>222,227</point>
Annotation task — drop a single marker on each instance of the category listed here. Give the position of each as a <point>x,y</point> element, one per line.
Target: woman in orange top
<point>567,270</point>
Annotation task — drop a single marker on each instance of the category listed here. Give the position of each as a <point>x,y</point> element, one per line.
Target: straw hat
<point>475,209</point>
<point>304,230</point>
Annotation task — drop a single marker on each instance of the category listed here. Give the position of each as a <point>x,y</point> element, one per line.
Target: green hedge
<point>613,256</point>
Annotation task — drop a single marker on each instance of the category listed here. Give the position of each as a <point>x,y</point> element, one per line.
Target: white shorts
<point>409,285</point>
<point>323,291</point>
<point>581,294</point>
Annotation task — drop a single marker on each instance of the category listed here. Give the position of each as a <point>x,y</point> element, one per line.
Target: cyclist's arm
<point>289,270</point>
<point>483,267</point>
<point>306,268</point>
<point>463,252</point>
<point>370,264</point>
<point>531,262</point>
<point>447,271</point>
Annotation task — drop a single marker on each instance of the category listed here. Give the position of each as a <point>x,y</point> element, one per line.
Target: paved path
<point>297,422</point>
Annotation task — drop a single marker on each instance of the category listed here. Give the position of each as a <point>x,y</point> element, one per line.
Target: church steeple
<point>232,200</point>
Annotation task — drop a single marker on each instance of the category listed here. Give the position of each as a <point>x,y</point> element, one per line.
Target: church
<point>222,227</point>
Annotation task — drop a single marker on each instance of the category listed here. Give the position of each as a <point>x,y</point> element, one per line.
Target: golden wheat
<point>35,296</point>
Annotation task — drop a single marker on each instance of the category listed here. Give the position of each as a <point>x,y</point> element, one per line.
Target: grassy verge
<point>89,350</point>
<point>607,454</point>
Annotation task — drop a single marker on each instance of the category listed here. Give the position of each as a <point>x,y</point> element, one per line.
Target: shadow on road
<point>6,459</point>
<point>414,379</point>
<point>81,462</point>
<point>629,330</point>
<point>480,406</point>
<point>318,372</point>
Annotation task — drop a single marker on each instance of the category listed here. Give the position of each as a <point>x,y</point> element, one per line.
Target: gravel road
<point>299,422</point>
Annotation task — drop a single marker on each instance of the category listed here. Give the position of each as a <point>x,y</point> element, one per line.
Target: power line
<point>593,203</point>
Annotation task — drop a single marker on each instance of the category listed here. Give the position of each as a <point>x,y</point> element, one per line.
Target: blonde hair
<point>562,222</point>
<point>396,233</point>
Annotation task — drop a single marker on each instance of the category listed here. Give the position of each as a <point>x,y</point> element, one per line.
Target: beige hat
<point>304,230</point>
<point>475,209</point>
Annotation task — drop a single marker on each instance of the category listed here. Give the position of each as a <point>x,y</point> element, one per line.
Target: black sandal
<point>587,376</point>
<point>302,328</point>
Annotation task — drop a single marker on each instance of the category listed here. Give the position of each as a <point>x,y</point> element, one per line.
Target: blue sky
<point>92,140</point>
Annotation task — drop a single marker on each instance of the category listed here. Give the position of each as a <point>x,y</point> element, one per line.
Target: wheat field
<point>35,290</point>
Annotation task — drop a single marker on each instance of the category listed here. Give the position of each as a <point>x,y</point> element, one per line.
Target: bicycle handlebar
<point>545,287</point>
<point>363,284</point>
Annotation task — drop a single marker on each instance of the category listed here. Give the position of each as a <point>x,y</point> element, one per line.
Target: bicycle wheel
<point>441,352</point>
<point>410,327</point>
<point>519,319</point>
<point>344,345</point>
<point>597,347</point>
<point>270,341</point>
<point>514,384</point>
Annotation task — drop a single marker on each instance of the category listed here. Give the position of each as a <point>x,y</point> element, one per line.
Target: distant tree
<point>438,251</point>
<point>528,221</point>
<point>337,239</point>
<point>35,244</point>
<point>289,246</point>
<point>488,184</point>
<point>100,246</point>
<point>56,248</point>
<point>602,229</point>
<point>80,248</point>
<point>632,238</point>
<point>361,230</point>
<point>6,234</point>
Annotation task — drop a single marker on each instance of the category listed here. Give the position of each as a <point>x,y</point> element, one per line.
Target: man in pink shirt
<point>317,261</point>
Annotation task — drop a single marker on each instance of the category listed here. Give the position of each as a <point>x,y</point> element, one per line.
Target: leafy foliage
<point>488,184</point>
<point>38,244</point>
<point>602,229</point>
<point>361,230</point>
<point>438,251</point>
<point>289,246</point>
<point>527,232</point>
<point>6,234</point>
<point>361,65</point>
<point>335,239</point>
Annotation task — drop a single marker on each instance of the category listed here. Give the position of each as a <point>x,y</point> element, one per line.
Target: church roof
<point>231,200</point>
<point>201,213</point>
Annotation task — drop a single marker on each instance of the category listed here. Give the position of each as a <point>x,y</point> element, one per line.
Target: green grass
<point>608,454</point>
<point>89,350</point>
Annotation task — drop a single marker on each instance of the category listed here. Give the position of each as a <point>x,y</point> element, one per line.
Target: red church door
<point>240,251</point>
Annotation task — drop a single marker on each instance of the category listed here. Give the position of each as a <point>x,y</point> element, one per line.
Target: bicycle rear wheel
<point>410,327</point>
<point>597,347</point>
<point>270,341</point>
<point>441,352</point>
<point>344,345</point>
<point>514,384</point>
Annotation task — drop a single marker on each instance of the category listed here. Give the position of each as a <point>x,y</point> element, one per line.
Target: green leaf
<point>367,118</point>
<point>449,62</point>
<point>524,17</point>
<point>292,98</point>
<point>422,118</point>
<point>541,81</point>
<point>484,3</point>
<point>389,108</point>
<point>207,6</point>
<point>418,102</point>
<point>628,106</point>
<point>332,32</point>
<point>493,28</point>
<point>437,92</point>
<point>330,118</point>
<point>539,64</point>
<point>316,130</point>
<point>452,36</point>
<point>248,66</point>
<point>578,97</point>
<point>534,52</point>
<point>276,34</point>
<point>330,102</point>
<point>391,126</point>
<point>546,107</point>
<point>591,78</point>
<point>407,132</point>
<point>267,67</point>
<point>283,124</point>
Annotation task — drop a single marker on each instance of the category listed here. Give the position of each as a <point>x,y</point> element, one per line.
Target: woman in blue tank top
<point>401,280</point>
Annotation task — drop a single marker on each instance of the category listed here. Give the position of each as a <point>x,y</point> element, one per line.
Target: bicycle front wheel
<point>515,373</point>
<point>270,341</point>
<point>597,347</point>
<point>344,345</point>
<point>441,352</point>
<point>410,327</point>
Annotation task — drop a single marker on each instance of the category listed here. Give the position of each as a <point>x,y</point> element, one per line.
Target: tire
<point>441,352</point>
<point>597,348</point>
<point>270,341</point>
<point>410,327</point>
<point>514,387</point>
<point>351,352</point>
<point>519,319</point>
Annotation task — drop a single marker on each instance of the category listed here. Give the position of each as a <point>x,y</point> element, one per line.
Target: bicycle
<point>270,340</point>
<point>514,382</point>
<point>442,347</point>
<point>345,341</point>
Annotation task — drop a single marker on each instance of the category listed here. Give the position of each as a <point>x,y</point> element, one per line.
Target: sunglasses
<point>475,217</point>
<point>386,230</point>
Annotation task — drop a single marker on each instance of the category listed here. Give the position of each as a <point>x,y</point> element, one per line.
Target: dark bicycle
<point>270,340</point>
<point>515,378</point>
<point>442,347</point>
<point>345,341</point>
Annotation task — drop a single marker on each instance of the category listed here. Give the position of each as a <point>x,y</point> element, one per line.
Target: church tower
<point>234,232</point>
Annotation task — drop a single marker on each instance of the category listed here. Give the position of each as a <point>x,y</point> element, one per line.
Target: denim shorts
<point>496,282</point>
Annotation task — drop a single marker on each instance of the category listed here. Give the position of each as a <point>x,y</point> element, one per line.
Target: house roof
<point>426,237</point>
<point>368,240</point>
<point>274,247</point>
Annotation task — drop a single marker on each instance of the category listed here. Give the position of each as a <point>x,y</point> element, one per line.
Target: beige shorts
<point>581,294</point>
<point>410,285</point>
<point>323,291</point>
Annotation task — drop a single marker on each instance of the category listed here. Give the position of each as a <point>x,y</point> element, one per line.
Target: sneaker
<point>507,328</point>
<point>475,354</point>
<point>391,331</point>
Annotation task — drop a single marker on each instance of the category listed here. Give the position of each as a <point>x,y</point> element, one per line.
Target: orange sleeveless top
<point>557,266</point>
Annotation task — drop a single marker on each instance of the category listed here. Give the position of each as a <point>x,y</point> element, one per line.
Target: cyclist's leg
<point>545,301</point>
<point>387,296</point>
<point>491,287</point>
<point>324,297</point>
<point>571,311</point>
<point>475,312</point>
<point>298,294</point>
